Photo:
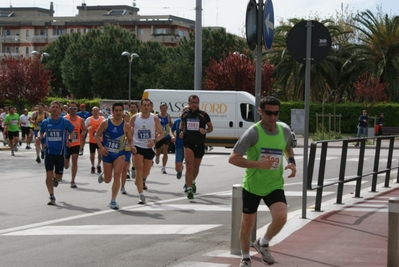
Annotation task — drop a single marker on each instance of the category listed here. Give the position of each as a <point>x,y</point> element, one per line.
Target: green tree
<point>377,49</point>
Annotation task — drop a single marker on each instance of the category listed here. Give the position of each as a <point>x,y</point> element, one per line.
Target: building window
<point>8,50</point>
<point>17,49</point>
<point>27,34</point>
<point>71,31</point>
<point>79,30</point>
<point>160,31</point>
<point>60,31</point>
<point>26,50</point>
<point>180,33</point>
<point>141,31</point>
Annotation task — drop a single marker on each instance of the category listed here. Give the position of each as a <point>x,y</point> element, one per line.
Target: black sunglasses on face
<point>270,113</point>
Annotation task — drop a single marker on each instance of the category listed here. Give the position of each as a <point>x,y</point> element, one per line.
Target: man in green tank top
<point>265,145</point>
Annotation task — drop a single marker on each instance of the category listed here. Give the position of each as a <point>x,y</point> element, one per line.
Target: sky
<point>229,14</point>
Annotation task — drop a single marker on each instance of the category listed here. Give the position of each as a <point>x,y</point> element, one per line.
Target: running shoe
<point>42,154</point>
<point>81,152</point>
<point>142,199</point>
<point>113,205</point>
<point>178,175</point>
<point>12,153</point>
<point>163,170</point>
<point>194,187</point>
<point>185,188</point>
<point>27,147</point>
<point>265,252</point>
<point>38,159</point>
<point>133,172</point>
<point>20,143</point>
<point>128,174</point>
<point>245,263</point>
<point>52,201</point>
<point>101,178</point>
<point>4,143</point>
<point>144,186</point>
<point>73,185</point>
<point>123,191</point>
<point>190,194</point>
<point>55,182</point>
<point>157,160</point>
<point>15,148</point>
<point>210,148</point>
<point>93,170</point>
<point>99,169</point>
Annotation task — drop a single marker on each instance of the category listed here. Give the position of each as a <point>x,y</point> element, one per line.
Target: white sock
<point>245,255</point>
<point>264,241</point>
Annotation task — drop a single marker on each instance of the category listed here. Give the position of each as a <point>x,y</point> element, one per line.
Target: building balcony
<point>165,38</point>
<point>40,39</point>
<point>10,39</point>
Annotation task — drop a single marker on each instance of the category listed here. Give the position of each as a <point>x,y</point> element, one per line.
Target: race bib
<point>112,146</point>
<point>76,137</point>
<point>14,122</point>
<point>193,124</point>
<point>54,135</point>
<point>144,134</point>
<point>275,154</point>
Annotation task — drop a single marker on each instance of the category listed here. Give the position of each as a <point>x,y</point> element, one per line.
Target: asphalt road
<point>169,231</point>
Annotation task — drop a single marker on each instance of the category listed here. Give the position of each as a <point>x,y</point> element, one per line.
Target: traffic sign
<point>268,24</point>
<point>320,42</point>
<point>251,22</point>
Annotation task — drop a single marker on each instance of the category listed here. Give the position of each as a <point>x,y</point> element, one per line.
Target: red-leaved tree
<point>236,72</point>
<point>23,80</point>
<point>369,90</point>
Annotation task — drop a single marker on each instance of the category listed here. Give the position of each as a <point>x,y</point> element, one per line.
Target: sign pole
<point>307,106</point>
<point>258,78</point>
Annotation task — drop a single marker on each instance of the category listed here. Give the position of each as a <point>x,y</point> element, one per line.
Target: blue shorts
<point>179,153</point>
<point>112,156</point>
<point>128,155</point>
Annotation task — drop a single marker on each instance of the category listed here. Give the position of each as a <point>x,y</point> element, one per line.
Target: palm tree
<point>377,49</point>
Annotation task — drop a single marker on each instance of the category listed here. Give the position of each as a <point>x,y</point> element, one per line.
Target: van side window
<point>247,112</point>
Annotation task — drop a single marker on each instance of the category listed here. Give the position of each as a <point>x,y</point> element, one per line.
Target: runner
<point>145,125</point>
<point>133,109</point>
<point>84,115</point>
<point>36,119</point>
<point>73,151</point>
<point>128,155</point>
<point>55,128</point>
<point>114,130</point>
<point>163,144</point>
<point>12,123</point>
<point>179,148</point>
<point>92,123</point>
<point>3,114</point>
<point>25,129</point>
<point>194,126</point>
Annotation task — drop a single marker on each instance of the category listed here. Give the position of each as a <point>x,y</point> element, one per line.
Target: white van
<point>231,112</point>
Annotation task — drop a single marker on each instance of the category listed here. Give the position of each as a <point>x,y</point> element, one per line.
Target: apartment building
<point>27,29</point>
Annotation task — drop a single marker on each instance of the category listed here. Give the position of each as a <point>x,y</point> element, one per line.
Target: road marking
<point>201,264</point>
<point>136,229</point>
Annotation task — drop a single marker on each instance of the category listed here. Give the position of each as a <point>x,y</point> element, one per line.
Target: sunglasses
<point>270,113</point>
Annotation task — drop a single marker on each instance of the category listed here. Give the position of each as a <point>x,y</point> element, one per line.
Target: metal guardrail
<point>343,178</point>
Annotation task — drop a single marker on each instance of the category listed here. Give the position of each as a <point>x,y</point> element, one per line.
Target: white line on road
<point>137,229</point>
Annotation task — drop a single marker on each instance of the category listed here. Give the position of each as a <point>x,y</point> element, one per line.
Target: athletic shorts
<point>163,141</point>
<point>36,132</point>
<point>179,153</point>
<point>128,156</point>
<point>198,150</point>
<point>112,156</point>
<point>93,147</point>
<point>147,153</point>
<point>54,163</point>
<point>250,202</point>
<point>25,131</point>
<point>11,134</point>
<point>72,150</point>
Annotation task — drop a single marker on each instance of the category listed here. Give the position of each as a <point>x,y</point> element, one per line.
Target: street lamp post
<point>130,57</point>
<point>44,54</point>
<point>20,39</point>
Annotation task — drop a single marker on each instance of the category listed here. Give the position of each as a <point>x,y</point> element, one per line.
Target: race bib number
<point>144,134</point>
<point>113,146</point>
<point>54,135</point>
<point>14,122</point>
<point>275,154</point>
<point>76,137</point>
<point>193,124</point>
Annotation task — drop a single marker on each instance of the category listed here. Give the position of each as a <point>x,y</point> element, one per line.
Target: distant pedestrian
<point>362,126</point>
<point>378,125</point>
<point>12,123</point>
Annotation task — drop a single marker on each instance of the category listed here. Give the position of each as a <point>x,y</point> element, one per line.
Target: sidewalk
<point>338,144</point>
<point>354,234</point>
